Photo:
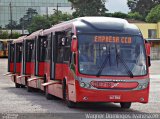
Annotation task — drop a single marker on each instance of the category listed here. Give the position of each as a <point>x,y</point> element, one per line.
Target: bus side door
<point>57,56</point>
<point>18,57</point>
<point>41,48</point>
<point>60,54</point>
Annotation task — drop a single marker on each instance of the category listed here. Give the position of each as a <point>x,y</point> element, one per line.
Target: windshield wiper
<point>123,62</point>
<point>104,63</point>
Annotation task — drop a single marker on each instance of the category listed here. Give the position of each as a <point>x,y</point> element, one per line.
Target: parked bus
<point>88,59</point>
<point>3,48</point>
<point>15,60</point>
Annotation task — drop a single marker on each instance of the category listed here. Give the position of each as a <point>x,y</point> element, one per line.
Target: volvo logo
<point>114,85</point>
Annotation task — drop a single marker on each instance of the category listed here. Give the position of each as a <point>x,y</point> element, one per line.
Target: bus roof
<point>6,40</point>
<point>97,24</point>
<point>34,34</point>
<point>19,40</point>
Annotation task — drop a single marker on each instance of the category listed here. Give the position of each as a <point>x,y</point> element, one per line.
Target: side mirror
<point>148,51</point>
<point>148,48</point>
<point>74,44</point>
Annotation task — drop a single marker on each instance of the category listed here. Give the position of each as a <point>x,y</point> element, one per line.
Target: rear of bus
<point>111,63</point>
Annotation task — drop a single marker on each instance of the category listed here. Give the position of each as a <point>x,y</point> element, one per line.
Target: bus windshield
<point>111,55</point>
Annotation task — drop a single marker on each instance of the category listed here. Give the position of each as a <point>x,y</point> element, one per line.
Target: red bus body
<point>57,71</point>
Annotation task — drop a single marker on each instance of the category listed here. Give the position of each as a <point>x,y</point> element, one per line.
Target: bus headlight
<point>82,84</point>
<point>88,85</point>
<point>85,85</point>
<point>142,86</point>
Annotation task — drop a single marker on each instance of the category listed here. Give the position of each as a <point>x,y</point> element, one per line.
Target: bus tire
<point>29,89</point>
<point>17,85</point>
<point>48,96</point>
<point>125,105</point>
<point>69,103</point>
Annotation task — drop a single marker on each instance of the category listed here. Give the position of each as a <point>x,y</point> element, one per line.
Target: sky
<point>117,6</point>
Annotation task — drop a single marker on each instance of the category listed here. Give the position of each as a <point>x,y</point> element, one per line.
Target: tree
<point>39,22</point>
<point>58,17</point>
<point>25,21</point>
<point>43,22</point>
<point>88,7</point>
<point>31,13</point>
<point>154,15</point>
<point>15,35</point>
<point>131,15</point>
<point>120,15</point>
<point>135,15</point>
<point>12,25</point>
<point>142,6</point>
<point>6,35</point>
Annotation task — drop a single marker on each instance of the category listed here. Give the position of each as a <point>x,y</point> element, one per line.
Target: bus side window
<point>29,50</point>
<point>19,53</point>
<point>60,49</point>
<point>32,55</point>
<point>12,53</point>
<point>43,49</point>
<point>48,48</point>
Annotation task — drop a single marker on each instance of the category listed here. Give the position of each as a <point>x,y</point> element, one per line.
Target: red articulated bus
<point>88,59</point>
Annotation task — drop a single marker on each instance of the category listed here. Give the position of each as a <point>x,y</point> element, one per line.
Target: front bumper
<point>111,95</point>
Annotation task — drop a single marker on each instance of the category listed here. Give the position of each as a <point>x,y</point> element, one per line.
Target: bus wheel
<point>17,85</point>
<point>125,105</point>
<point>69,103</point>
<point>29,89</point>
